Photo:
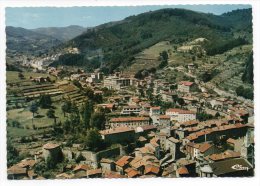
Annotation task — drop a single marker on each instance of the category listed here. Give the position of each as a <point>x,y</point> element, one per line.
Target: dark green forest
<point>121,41</point>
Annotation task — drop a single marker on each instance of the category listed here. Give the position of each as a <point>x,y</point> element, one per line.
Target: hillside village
<point>157,117</point>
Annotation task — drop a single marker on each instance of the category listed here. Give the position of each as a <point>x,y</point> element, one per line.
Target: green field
<point>12,76</point>
<point>24,117</point>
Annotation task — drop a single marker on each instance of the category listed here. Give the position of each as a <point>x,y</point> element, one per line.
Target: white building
<point>117,83</point>
<point>131,122</point>
<point>185,86</point>
<point>180,115</point>
<point>155,111</point>
<point>131,109</point>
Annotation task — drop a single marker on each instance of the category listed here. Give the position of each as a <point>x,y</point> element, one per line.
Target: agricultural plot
<point>12,76</point>
<point>150,57</point>
<point>41,121</point>
<point>234,82</point>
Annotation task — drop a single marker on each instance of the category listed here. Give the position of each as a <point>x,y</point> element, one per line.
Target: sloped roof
<point>229,166</point>
<point>183,170</point>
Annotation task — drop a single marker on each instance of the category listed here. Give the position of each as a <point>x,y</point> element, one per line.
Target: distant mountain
<point>121,41</point>
<point>61,33</point>
<point>26,41</point>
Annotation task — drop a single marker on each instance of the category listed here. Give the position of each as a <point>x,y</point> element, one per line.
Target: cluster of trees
<point>247,93</point>
<point>83,125</point>
<point>164,59</point>
<point>45,101</point>
<point>204,116</point>
<point>11,67</point>
<point>141,74</point>
<point>12,153</point>
<point>70,60</point>
<point>77,60</point>
<point>219,47</point>
<point>248,75</point>
<point>207,76</point>
<point>20,75</point>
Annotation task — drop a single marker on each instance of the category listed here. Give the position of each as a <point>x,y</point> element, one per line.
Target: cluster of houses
<point>168,142</point>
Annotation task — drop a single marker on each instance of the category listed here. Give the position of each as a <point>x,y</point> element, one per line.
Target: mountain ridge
<point>121,40</point>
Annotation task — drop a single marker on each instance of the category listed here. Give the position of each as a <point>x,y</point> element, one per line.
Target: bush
<point>245,92</point>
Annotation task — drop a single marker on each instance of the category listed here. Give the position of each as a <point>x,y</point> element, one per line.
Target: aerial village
<point>151,127</point>
<point>64,122</point>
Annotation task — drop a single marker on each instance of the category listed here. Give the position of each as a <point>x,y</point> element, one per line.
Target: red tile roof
<point>111,174</point>
<point>115,130</point>
<point>174,140</point>
<point>25,163</point>
<point>132,173</point>
<point>186,83</point>
<point>151,169</point>
<point>81,167</point>
<point>224,155</point>
<point>148,127</point>
<point>49,146</point>
<point>104,160</point>
<point>127,119</point>
<point>191,122</point>
<point>182,170</point>
<point>203,147</point>
<point>180,111</point>
<point>94,171</point>
<point>155,108</point>
<point>16,170</point>
<point>164,117</point>
<point>123,161</point>
<point>231,140</point>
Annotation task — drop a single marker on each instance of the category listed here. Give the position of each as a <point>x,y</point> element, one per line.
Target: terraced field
<point>230,65</point>
<point>150,58</point>
<point>73,94</point>
<point>234,82</point>
<point>12,77</point>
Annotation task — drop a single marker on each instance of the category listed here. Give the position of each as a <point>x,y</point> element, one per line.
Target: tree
<point>50,163</point>
<point>75,121</point>
<point>21,76</point>
<point>157,100</point>
<point>33,109</point>
<point>181,101</point>
<point>51,114</point>
<point>94,141</point>
<point>217,115</point>
<point>86,112</point>
<point>164,59</point>
<point>204,116</point>
<point>248,75</point>
<point>89,93</point>
<point>98,120</point>
<point>67,126</point>
<point>66,107</point>
<point>164,55</point>
<point>45,101</point>
<point>245,92</point>
<point>12,153</point>
<point>77,84</point>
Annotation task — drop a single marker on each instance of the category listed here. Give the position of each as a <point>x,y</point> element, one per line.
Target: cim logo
<point>239,167</point>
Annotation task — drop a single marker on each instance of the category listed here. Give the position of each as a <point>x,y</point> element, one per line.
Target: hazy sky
<point>92,16</point>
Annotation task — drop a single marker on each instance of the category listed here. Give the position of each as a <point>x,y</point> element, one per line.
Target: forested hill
<point>120,41</point>
<point>26,41</point>
<point>61,33</point>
